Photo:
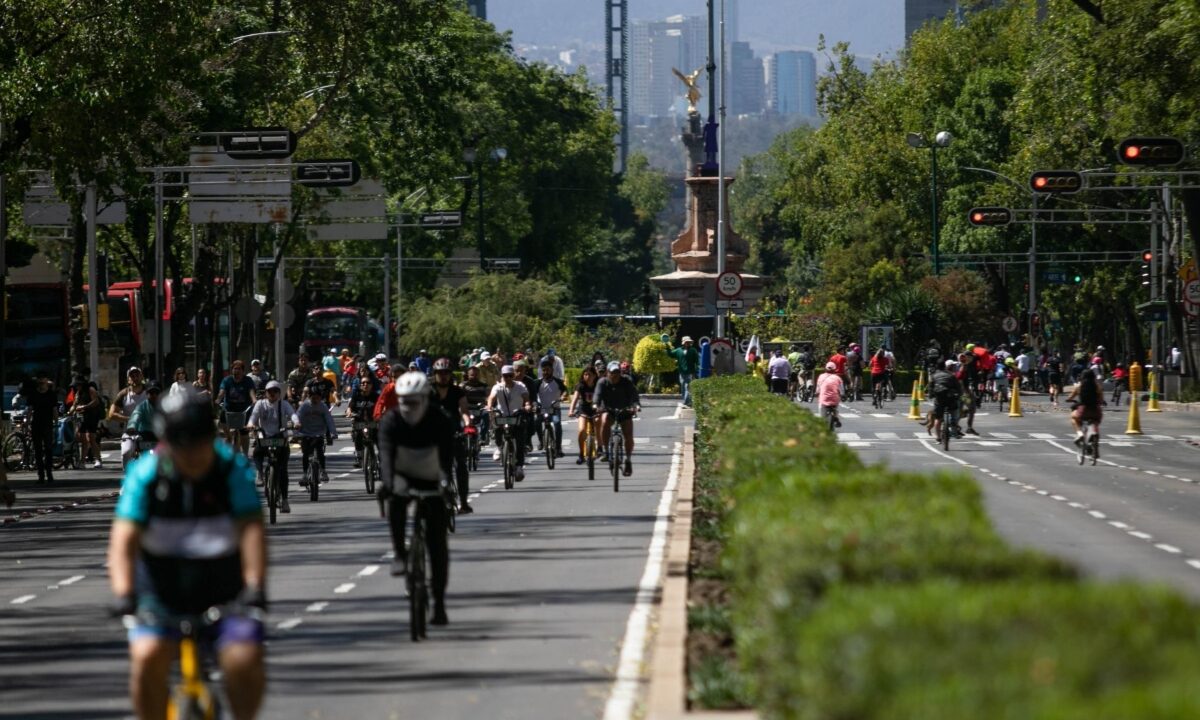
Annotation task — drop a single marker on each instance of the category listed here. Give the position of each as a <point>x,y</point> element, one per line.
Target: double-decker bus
<point>341,327</point>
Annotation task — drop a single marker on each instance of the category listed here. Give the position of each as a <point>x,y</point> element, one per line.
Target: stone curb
<point>58,507</point>
<point>666,698</point>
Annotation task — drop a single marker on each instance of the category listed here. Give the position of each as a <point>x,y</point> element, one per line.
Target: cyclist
<point>1120,378</point>
<point>829,391</point>
<point>545,391</point>
<point>188,535</point>
<point>1054,366</point>
<point>510,398</point>
<point>314,427</point>
<point>330,362</point>
<point>364,394</point>
<point>489,374</point>
<point>581,405</point>
<point>970,377</point>
<point>234,398</point>
<point>416,447</point>
<point>122,407</point>
<point>387,396</point>
<point>839,363</point>
<point>947,392</point>
<point>298,378</point>
<point>452,400</point>
<point>779,371</point>
<point>477,393</point>
<point>933,359</point>
<point>271,416</point>
<point>613,394</point>
<point>1086,400</point>
<point>879,370</point>
<point>423,362</point>
<point>181,384</point>
<point>141,420</point>
<point>521,375</point>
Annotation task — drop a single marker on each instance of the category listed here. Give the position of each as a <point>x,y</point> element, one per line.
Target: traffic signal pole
<point>1033,263</point>
<point>93,283</point>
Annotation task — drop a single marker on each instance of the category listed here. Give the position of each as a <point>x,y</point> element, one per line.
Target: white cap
<point>686,339</point>
<point>506,370</point>
<point>485,355</point>
<point>274,385</point>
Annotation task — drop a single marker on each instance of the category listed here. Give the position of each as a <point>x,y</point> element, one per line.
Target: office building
<point>746,86</point>
<point>655,47</point>
<point>792,83</point>
<point>478,8</point>
<point>919,12</point>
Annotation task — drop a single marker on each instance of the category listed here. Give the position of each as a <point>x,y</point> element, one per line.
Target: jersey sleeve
<point>243,497</point>
<point>133,505</point>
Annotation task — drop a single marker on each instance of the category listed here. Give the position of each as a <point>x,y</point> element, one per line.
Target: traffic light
<point>1056,181</point>
<point>989,216</point>
<point>103,317</point>
<point>1151,151</point>
<point>79,317</point>
<point>1147,260</point>
<point>259,143</point>
<point>1076,278</point>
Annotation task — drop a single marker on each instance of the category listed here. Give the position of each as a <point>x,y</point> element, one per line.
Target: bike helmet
<point>442,364</point>
<point>830,367</point>
<point>951,364</point>
<point>275,385</point>
<point>412,383</point>
<point>614,366</point>
<point>185,420</point>
<point>485,355</point>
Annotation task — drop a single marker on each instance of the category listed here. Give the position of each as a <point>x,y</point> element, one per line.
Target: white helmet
<point>412,383</point>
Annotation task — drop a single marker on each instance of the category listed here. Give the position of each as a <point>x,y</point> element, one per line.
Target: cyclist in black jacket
<point>615,393</point>
<point>363,395</point>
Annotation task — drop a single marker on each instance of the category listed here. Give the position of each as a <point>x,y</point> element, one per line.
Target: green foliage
<point>860,592</point>
<point>488,311</point>
<point>651,356</point>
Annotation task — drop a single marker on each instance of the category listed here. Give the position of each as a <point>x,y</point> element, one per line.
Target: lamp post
<point>471,157</point>
<point>942,139</point>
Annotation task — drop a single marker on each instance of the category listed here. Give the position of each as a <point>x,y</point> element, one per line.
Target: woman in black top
<point>581,404</point>
<point>42,401</point>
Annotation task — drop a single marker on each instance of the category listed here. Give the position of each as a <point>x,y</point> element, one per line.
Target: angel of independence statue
<point>693,92</point>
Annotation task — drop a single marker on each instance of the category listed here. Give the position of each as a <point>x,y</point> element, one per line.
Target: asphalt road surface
<point>1136,514</point>
<point>542,582</point>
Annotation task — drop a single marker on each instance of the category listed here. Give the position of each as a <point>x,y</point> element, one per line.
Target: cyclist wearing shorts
<point>1086,401</point>
<point>947,395</point>
<point>829,391</point>
<point>188,536</point>
<point>1054,379</point>
<point>235,397</point>
<point>614,394</point>
<point>879,370</point>
<point>271,415</point>
<point>122,408</point>
<point>581,405</point>
<point>510,398</point>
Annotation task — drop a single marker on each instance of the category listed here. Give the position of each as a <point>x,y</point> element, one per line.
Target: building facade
<point>478,8</point>
<point>655,47</point>
<point>792,83</point>
<point>746,86</point>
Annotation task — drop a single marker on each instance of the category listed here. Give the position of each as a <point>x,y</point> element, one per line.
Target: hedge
<point>859,592</point>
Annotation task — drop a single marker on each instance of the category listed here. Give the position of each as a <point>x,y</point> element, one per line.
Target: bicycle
<point>476,440</point>
<point>418,580</point>
<point>506,427</point>
<point>18,448</point>
<point>831,414</point>
<point>877,395</point>
<point>194,697</point>
<point>142,443</point>
<point>275,448</point>
<point>313,475</point>
<point>590,445</point>
<point>807,387</point>
<point>548,434</point>
<point>235,423</point>
<point>947,428</point>
<point>1089,442</point>
<point>616,447</point>
<point>365,431</point>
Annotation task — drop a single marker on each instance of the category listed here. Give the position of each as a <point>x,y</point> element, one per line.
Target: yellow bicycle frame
<point>191,686</point>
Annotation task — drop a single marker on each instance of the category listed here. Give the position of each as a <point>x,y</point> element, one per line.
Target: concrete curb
<point>666,698</point>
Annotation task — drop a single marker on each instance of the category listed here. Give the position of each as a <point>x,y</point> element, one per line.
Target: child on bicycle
<point>314,427</point>
<point>1086,400</point>
<point>829,391</point>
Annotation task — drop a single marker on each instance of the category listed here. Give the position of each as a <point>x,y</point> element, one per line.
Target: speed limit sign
<point>729,284</point>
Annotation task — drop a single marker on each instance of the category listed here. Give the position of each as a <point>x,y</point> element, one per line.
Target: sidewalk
<point>71,488</point>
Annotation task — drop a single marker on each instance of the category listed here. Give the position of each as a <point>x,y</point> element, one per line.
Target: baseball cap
<point>686,339</point>
<point>506,370</point>
<point>485,355</point>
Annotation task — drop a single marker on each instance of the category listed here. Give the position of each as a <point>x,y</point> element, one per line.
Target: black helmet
<point>185,420</point>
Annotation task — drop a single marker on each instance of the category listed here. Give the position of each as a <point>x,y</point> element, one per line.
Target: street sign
<point>1191,309</point>
<point>731,304</point>
<point>1009,324</point>
<point>1055,277</point>
<point>327,173</point>
<point>44,208</point>
<point>241,188</point>
<point>1153,310</point>
<point>1191,292</point>
<point>441,219</point>
<point>729,284</point>
<point>357,212</point>
<point>259,143</point>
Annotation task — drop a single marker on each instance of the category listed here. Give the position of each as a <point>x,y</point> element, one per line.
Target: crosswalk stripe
<point>887,436</point>
<point>844,436</point>
<point>1003,436</point>
<point>1042,436</point>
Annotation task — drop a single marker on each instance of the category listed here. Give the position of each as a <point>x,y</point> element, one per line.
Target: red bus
<point>341,327</point>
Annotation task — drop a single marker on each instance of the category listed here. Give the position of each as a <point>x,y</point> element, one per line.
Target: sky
<point>769,25</point>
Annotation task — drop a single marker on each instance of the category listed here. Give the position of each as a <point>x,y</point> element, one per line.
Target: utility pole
<point>721,210</point>
<point>616,16</point>
<point>93,281</point>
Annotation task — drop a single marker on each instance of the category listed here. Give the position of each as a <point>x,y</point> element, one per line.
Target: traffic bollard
<point>1014,404</point>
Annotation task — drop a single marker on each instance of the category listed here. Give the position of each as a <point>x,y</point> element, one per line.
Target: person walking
<point>42,405</point>
<point>687,362</point>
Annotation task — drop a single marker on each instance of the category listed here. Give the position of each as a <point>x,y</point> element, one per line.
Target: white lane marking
<point>887,436</point>
<point>1168,548</point>
<point>316,607</point>
<point>344,588</point>
<point>72,580</point>
<point>368,570</point>
<point>633,646</point>
<point>1077,506</point>
<point>1118,524</point>
<point>1042,436</point>
<point>339,477</point>
<point>1141,535</point>
<point>678,409</point>
<point>1003,436</point>
<point>843,436</point>
<point>346,450</point>
<point>1194,563</point>
<point>858,444</point>
<point>988,443</point>
<point>1160,437</point>
<point>22,600</point>
<point>1111,443</point>
<point>1152,472</point>
<point>1059,498</point>
<point>1097,514</point>
<point>882,415</point>
<point>289,624</point>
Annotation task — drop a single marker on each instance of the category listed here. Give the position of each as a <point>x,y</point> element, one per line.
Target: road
<point>1136,514</point>
<point>543,581</point>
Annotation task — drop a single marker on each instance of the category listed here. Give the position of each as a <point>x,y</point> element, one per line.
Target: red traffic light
<point>1147,256</point>
<point>989,216</point>
<point>1056,181</point>
<point>1151,151</point>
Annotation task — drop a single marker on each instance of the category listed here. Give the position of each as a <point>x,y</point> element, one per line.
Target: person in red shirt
<point>879,369</point>
<point>839,363</point>
<point>387,397</point>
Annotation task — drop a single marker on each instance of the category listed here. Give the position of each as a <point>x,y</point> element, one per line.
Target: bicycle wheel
<point>370,468</point>
<point>548,443</point>
<point>16,452</point>
<point>269,491</point>
<point>473,453</point>
<point>507,461</point>
<point>589,452</point>
<point>417,590</point>
<point>617,453</point>
<point>1095,447</point>
<point>314,478</point>
<point>946,431</point>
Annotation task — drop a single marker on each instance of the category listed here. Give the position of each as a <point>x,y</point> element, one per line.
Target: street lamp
<point>471,157</point>
<point>942,139</point>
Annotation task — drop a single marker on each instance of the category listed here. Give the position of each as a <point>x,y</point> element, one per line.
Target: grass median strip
<point>829,589</point>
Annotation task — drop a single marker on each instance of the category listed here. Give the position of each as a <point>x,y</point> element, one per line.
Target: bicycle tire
<point>314,478</point>
<point>1095,447</point>
<point>16,452</point>
<point>548,441</point>
<point>617,453</point>
<point>269,492</point>
<point>946,432</point>
<point>370,468</point>
<point>506,452</point>
<point>589,451</point>
<point>1084,441</point>
<point>416,582</point>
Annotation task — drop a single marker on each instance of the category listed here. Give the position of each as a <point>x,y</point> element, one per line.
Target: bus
<point>326,328</point>
<point>37,336</point>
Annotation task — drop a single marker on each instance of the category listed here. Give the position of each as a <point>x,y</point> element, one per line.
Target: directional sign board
<point>240,188</point>
<point>1191,292</point>
<point>327,173</point>
<point>1055,277</point>
<point>441,219</point>
<point>731,304</point>
<point>729,284</point>
<point>44,208</point>
<point>357,212</point>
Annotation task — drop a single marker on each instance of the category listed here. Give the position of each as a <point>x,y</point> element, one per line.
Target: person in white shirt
<point>510,398</point>
<point>271,415</point>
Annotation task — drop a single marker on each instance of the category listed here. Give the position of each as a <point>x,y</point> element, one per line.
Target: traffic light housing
<point>79,317</point>
<point>989,216</point>
<point>1057,182</point>
<point>1147,260</point>
<point>1151,151</point>
<point>1076,278</point>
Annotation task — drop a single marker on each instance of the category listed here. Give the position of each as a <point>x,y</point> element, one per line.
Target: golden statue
<point>693,92</point>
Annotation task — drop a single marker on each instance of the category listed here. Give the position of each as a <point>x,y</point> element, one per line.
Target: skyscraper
<point>654,48</point>
<point>746,86</point>
<point>919,12</point>
<point>478,8</point>
<point>792,82</point>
